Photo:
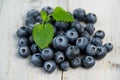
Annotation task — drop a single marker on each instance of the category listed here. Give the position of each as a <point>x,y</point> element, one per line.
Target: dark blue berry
<point>99,34</point>
<point>91,50</point>
<point>79,28</point>
<point>76,62</point>
<point>23,42</point>
<point>48,10</point>
<point>61,25</point>
<point>108,46</point>
<point>64,66</point>
<point>86,34</point>
<point>59,57</point>
<point>72,52</point>
<point>34,48</point>
<point>82,42</point>
<point>79,14</point>
<point>72,35</point>
<point>90,28</point>
<point>96,41</point>
<point>22,32</point>
<point>88,62</point>
<point>101,52</point>
<point>24,51</point>
<point>60,42</point>
<point>47,54</point>
<point>49,66</point>
<point>91,18</point>
<point>37,60</point>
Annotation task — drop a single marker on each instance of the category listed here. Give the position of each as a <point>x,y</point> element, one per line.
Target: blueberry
<point>23,42</point>
<point>96,41</point>
<point>91,50</point>
<point>108,46</point>
<point>72,35</point>
<point>48,10</point>
<point>31,39</point>
<point>49,66</point>
<point>79,14</point>
<point>33,13</point>
<point>34,48</point>
<point>22,32</point>
<point>91,18</point>
<point>61,33</point>
<point>99,34</point>
<point>76,62</point>
<point>86,34</point>
<point>47,54</point>
<point>61,25</point>
<point>79,28</point>
<point>65,65</point>
<point>59,57</point>
<point>24,51</point>
<point>82,42</point>
<point>37,60</point>
<point>72,52</point>
<point>60,42</point>
<point>90,28</point>
<point>88,62</point>
<point>101,52</point>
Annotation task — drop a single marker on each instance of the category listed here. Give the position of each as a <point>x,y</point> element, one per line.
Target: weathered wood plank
<point>107,12</point>
<point>12,67</point>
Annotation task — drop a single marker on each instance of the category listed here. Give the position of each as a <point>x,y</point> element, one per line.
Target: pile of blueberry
<point>73,45</point>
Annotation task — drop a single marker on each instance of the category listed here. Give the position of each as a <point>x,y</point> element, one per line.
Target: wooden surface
<point>12,67</point>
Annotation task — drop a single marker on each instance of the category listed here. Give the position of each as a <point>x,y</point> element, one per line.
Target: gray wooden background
<point>12,67</point>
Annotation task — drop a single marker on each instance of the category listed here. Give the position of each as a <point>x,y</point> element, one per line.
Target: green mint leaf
<point>43,35</point>
<point>60,14</point>
<point>44,16</point>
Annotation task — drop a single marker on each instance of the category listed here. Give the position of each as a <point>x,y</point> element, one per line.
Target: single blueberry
<point>108,46</point>
<point>82,42</point>
<point>37,60</point>
<point>59,57</point>
<point>72,35</point>
<point>99,34</point>
<point>88,62</point>
<point>60,42</point>
<point>23,42</point>
<point>91,50</point>
<point>47,54</point>
<point>65,65</point>
<point>49,66</point>
<point>76,62</point>
<point>91,18</point>
<point>72,52</point>
<point>24,51</point>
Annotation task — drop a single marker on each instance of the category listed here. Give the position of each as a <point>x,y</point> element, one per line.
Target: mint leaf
<point>43,35</point>
<point>44,16</point>
<point>60,14</point>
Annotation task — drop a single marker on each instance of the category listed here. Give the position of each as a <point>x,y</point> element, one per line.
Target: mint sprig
<point>43,33</point>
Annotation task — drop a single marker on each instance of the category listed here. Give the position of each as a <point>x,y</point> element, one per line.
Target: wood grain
<point>12,67</point>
